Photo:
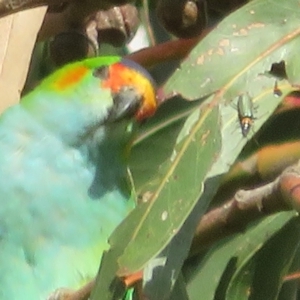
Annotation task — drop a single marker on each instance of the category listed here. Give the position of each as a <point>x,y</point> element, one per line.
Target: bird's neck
<point>107,150</point>
<point>104,147</point>
<point>66,115</point>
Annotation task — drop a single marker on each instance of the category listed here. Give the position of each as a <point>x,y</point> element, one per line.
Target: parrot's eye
<point>101,72</point>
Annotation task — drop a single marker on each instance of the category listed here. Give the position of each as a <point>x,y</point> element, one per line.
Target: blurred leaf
<point>241,288</point>
<point>210,274</point>
<point>271,264</point>
<point>179,291</point>
<point>290,287</point>
<point>261,277</point>
<point>292,64</point>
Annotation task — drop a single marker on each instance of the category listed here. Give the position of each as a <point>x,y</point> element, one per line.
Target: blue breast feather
<point>52,228</point>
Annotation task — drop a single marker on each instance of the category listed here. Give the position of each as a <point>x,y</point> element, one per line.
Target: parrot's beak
<point>133,90</point>
<point>127,103</point>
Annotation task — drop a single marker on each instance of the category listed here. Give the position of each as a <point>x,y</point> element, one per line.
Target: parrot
<point>65,183</point>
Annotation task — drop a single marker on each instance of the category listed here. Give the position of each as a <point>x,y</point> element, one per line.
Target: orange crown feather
<point>128,73</point>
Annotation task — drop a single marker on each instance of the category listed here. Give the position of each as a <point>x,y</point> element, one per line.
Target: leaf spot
<point>220,51</point>
<point>204,137</point>
<point>241,32</point>
<point>210,52</point>
<point>234,49</point>
<point>224,43</point>
<point>164,215</point>
<point>256,25</point>
<point>146,197</point>
<point>200,60</point>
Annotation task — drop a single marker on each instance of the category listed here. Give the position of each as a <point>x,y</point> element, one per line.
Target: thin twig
<point>81,294</point>
<point>292,276</point>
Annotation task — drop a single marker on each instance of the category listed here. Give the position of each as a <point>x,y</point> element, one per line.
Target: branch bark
<point>168,51</point>
<point>281,194</point>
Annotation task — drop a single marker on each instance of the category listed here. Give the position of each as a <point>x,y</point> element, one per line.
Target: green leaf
<point>159,280</point>
<point>179,291</point>
<point>156,140</point>
<point>235,59</point>
<point>232,139</point>
<point>271,264</point>
<point>165,204</point>
<point>228,257</point>
<point>159,217</point>
<point>176,159</point>
<point>180,176</point>
<point>107,286</point>
<point>242,48</point>
<point>289,288</point>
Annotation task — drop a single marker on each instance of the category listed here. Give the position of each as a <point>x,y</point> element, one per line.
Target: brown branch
<point>74,16</point>
<point>115,24</point>
<point>168,51</point>
<point>66,15</point>
<point>246,206</point>
<point>84,292</point>
<point>292,276</point>
<point>81,294</point>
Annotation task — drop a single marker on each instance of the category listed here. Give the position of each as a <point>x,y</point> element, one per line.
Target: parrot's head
<point>131,87</point>
<point>94,92</point>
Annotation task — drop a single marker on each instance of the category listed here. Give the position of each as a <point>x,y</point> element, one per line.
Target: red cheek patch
<point>119,76</point>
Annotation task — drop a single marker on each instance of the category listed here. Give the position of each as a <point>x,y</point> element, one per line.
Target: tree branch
<point>168,51</point>
<point>281,194</point>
